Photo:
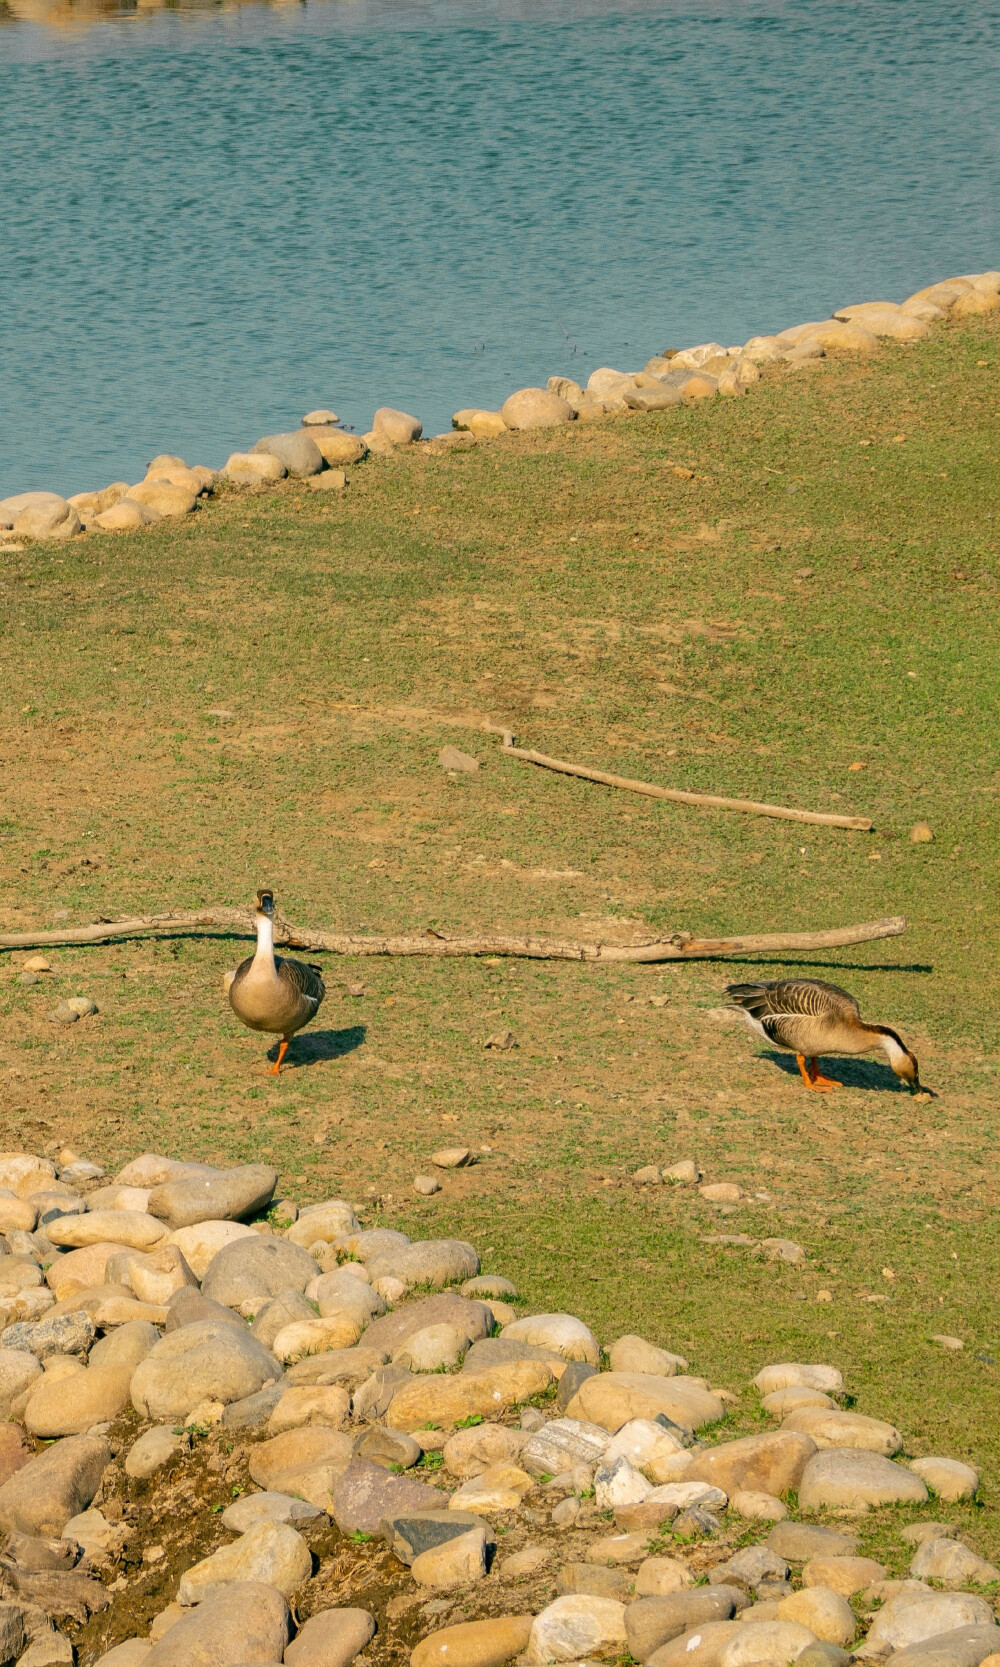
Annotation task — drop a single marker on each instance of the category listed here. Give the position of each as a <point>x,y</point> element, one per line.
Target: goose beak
<point>265,903</point>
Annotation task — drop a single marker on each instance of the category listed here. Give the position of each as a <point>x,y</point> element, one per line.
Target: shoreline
<point>320,450</point>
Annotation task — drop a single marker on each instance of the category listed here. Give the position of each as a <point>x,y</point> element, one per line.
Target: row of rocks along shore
<point>237,1431</point>
<point>321,451</point>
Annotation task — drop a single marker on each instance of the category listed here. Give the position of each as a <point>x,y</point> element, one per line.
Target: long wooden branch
<point>681,946</point>
<point>712,800</point>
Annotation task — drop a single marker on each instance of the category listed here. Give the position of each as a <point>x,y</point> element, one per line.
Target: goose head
<point>265,903</point>
<point>901,1060</point>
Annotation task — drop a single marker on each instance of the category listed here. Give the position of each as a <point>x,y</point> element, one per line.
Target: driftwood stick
<point>682,946</point>
<point>675,794</point>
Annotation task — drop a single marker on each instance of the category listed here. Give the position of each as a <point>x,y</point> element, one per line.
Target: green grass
<point>578,590</point>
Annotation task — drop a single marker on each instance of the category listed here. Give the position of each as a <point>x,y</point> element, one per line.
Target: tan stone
<point>844,1429</point>
<point>833,335</point>
<point>784,1401</point>
<point>88,505</point>
<point>844,1575</point>
<point>949,1479</point>
<point>300,1450</point>
<point>338,447</point>
<point>772,1463</point>
<point>535,408</point>
<point>795,1374</point>
<point>634,1354</point>
<point>305,1337</point>
<point>757,1507</point>
<point>17,1215</point>
<point>943,294</point>
<point>200,1243</point>
<point>772,1643</point>
<point>166,499</point>
<point>885,318</point>
<point>761,349</point>
<point>178,475</point>
<point>80,1270</point>
<point>398,427</point>
<point>122,1227</point>
<point>824,1611</point>
<point>331,480</point>
<point>915,308</point>
<point>16,1167</point>
<point>55,519</point>
<point>975,301</point>
<point>612,1398</point>
<point>659,1576</point>
<point>702,1646</point>
<point>270,1552</point>
<point>444,1400</point>
<point>563,1333</point>
<point>738,376</point>
<point>154,1275</point>
<point>126,516</point>
<point>326,1404</point>
<point>697,388</point>
<point>500,1487</point>
<point>453,1564</point>
<point>475,1643</point>
<point>71,1406</point>
<point>246,468</point>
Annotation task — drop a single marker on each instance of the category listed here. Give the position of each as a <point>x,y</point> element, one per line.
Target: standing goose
<point>809,1018</point>
<point>269,992</point>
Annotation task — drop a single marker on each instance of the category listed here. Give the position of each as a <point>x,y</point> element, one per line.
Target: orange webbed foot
<point>276,1067</point>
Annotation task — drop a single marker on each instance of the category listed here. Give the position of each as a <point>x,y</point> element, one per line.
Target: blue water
<point>211,222</point>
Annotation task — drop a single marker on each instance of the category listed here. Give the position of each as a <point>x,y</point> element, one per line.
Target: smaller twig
<point>712,801</point>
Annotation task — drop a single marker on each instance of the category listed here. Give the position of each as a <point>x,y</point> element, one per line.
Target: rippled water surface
<point>211,221</point>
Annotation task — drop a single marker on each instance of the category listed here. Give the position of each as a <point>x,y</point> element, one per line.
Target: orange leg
<point>282,1050</point>
<point>809,1069</point>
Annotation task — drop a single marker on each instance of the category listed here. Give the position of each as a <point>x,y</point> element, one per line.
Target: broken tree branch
<point>712,800</point>
<point>681,946</point>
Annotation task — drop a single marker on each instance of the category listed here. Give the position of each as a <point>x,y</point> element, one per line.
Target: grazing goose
<point>269,992</point>
<point>810,1018</point>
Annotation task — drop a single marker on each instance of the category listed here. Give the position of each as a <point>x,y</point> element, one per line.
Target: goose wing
<point>779,1003</point>
<point>304,979</point>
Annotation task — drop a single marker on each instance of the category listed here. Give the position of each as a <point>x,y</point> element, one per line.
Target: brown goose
<point>270,992</point>
<point>810,1018</point>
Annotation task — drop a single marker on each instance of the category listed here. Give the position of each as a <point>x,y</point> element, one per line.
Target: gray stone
<point>951,1563</point>
<point>207,1361</point>
<point>561,1444</point>
<point>653,399</point>
<point>58,1484</point>
<point>569,1383</point>
<point>749,1567</point>
<point>253,1412</point>
<point>782,1250</point>
<point>12,1637</point>
<point>68,1334</point>
<point>650,1622</point>
<point>297,451</point>
<point>373,1399</point>
<point>823,1654</point>
<point>272,1507</point>
<point>393,1330</point>
<point>411,1533</point>
<point>331,1639</point>
<point>365,1495</point>
<point>39,1556</point>
<point>350,1367</point>
<point>433,1262</point>
<point>251,1270</point>
<point>452,758</point>
<point>497,1351</point>
<point>966,1646</point>
<point>488,1285</point>
<point>153,1449</point>
<point>367,1242</point>
<point>854,1480</point>
<point>247,1622</point>
<point>226,1195</point>
<point>188,1307</point>
<point>693,1522</point>
<point>390,1448</point>
<point>799,1542</point>
<point>591,1580</point>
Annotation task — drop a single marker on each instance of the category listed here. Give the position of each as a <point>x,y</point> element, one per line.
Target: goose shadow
<point>311,1047</point>
<point>851,1073</point>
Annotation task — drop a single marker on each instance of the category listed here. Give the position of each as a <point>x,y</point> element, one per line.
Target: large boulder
<point>398,427</point>
<point>391,1331</point>
<point>248,1622</point>
<point>444,1400</point>
<point>64,1406</point>
<point>885,318</point>
<point>61,1482</point>
<point>847,1479</point>
<point>228,1195</point>
<point>251,1270</point>
<point>845,1429</point>
<point>575,1627</point>
<point>119,1227</point>
<point>249,468</point>
<point>914,1617</point>
<point>271,1552</point>
<point>167,498</point>
<point>563,1333</point>
<point>296,450</point>
<point>207,1361</point>
<point>45,515</point>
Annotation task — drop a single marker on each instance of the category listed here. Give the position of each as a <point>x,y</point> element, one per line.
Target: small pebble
<point>426,1185</point>
<point>920,834</point>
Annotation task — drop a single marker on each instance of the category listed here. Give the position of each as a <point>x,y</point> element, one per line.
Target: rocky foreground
<point>238,1432</point>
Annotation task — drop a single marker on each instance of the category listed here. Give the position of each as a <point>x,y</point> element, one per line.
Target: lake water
<point>213,220</point>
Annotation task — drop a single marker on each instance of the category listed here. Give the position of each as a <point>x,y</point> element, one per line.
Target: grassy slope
<point>612,611</point>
